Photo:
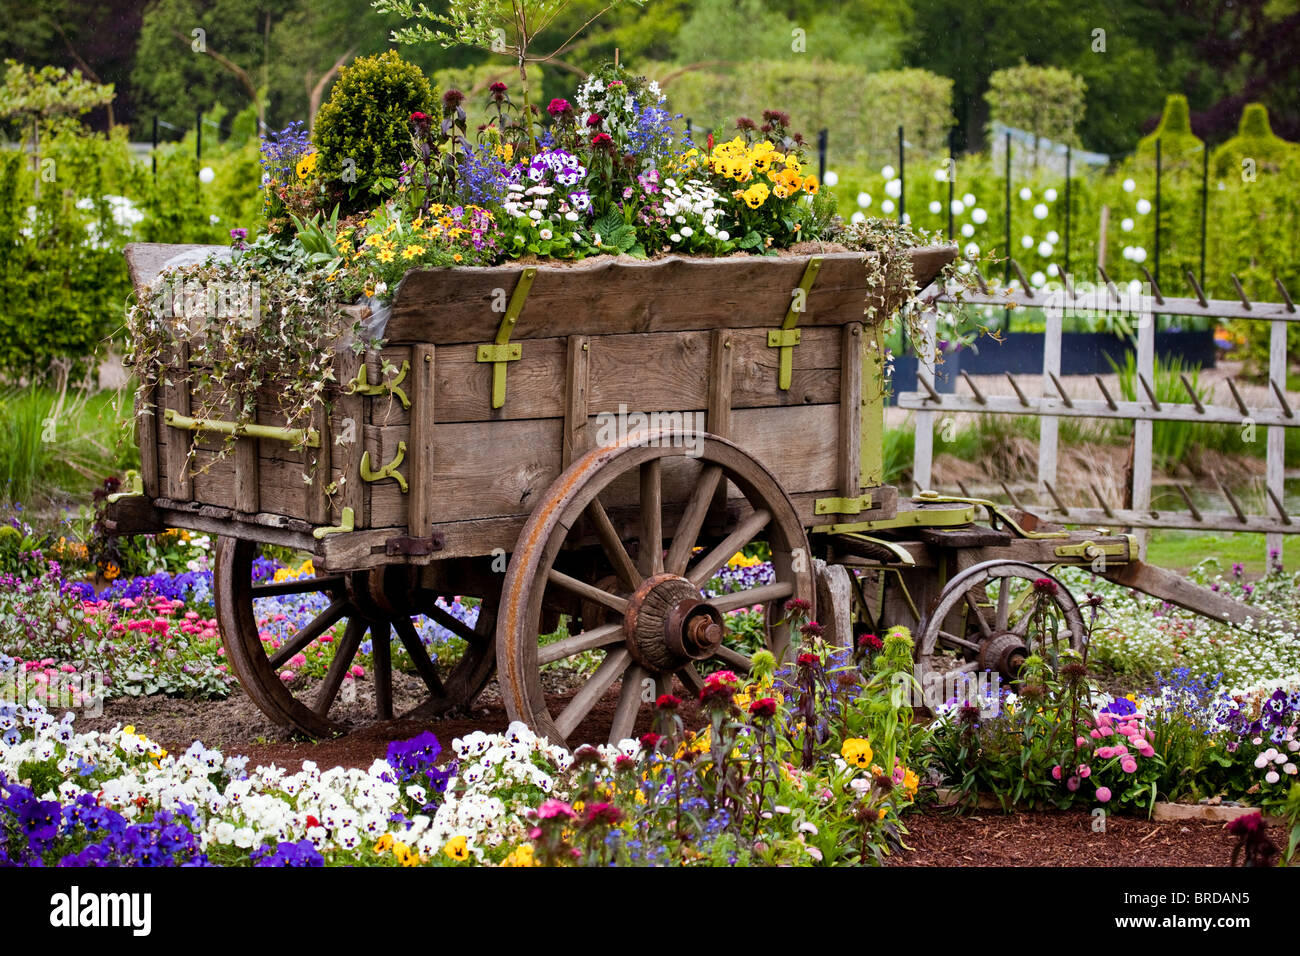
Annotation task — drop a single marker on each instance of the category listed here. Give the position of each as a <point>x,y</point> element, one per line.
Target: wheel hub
<point>1005,653</point>
<point>668,624</point>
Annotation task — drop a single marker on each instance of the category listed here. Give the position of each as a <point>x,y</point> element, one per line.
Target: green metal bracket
<point>996,514</point>
<point>297,436</point>
<point>502,350</point>
<point>361,386</point>
<point>134,484</point>
<point>902,555</point>
<point>1091,550</point>
<point>920,518</point>
<point>787,336</point>
<point>388,471</point>
<point>843,506</point>
<point>349,524</point>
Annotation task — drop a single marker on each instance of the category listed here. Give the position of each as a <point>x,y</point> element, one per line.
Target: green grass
<point>1183,550</point>
<point>57,446</point>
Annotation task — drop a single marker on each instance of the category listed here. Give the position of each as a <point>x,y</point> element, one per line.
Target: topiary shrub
<point>363,131</point>
<point>1178,144</point>
<point>1254,141</point>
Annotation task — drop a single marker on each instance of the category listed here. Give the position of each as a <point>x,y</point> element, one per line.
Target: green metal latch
<point>502,350</point>
<point>787,336</point>
<point>361,386</point>
<point>348,524</point>
<point>997,514</point>
<point>843,506</point>
<point>388,471</point>
<point>134,487</point>
<point>1091,550</point>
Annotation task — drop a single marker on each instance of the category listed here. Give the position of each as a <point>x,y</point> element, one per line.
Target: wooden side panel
<point>815,368</point>
<point>345,450</point>
<point>577,379</point>
<point>421,502</point>
<point>662,371</point>
<point>176,397</point>
<point>849,454</point>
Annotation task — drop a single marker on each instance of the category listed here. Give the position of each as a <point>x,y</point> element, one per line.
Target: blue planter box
<point>1082,353</point>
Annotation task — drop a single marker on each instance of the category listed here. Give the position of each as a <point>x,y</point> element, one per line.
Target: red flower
<point>668,702</point>
<point>722,677</point>
<point>650,741</point>
<point>452,99</point>
<point>870,641</point>
<point>709,142</point>
<point>1248,824</point>
<point>602,141</point>
<point>1045,586</point>
<point>312,821</point>
<point>420,119</point>
<point>558,107</point>
<point>796,604</point>
<point>593,120</point>
<point>603,814</point>
<point>809,660</point>
<point>497,87</point>
<point>811,629</point>
<point>763,707</point>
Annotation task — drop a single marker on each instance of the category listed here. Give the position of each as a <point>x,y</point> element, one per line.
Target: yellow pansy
<point>457,848</point>
<point>384,843</point>
<point>521,856</point>
<point>307,165</point>
<point>857,751</point>
<point>755,195</point>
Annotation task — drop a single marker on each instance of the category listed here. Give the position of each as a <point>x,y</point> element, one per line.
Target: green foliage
<point>1256,143</point>
<point>1170,441</point>
<point>1179,146</point>
<point>821,95</point>
<point>363,130</point>
<point>1043,100</point>
<point>48,92</point>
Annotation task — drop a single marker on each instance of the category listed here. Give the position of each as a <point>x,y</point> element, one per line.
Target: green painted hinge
<point>360,385</point>
<point>388,471</point>
<point>787,336</point>
<point>843,506</point>
<point>348,524</point>
<point>502,350</point>
<point>134,487</point>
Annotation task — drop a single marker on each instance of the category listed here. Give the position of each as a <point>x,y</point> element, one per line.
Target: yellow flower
<point>755,195</point>
<point>780,192</point>
<point>411,251</point>
<point>857,751</point>
<point>384,843</point>
<point>111,570</point>
<point>810,185</point>
<point>457,848</point>
<point>457,258</point>
<point>522,855</point>
<point>911,782</point>
<point>386,255</point>
<point>881,814</point>
<point>741,560</point>
<point>405,855</point>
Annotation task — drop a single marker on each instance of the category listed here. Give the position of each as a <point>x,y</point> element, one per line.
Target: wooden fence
<point>1055,403</point>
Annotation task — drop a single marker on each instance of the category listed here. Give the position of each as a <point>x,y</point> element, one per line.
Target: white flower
<point>675,237</point>
<point>723,235</point>
<point>571,216</point>
<point>534,214</point>
<point>687,231</point>
<point>546,234</point>
<point>1272,777</point>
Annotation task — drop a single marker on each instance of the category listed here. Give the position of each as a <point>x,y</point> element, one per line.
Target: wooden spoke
<point>453,624</point>
<point>629,702</point>
<point>708,565</point>
<point>318,625</point>
<point>651,538</point>
<point>759,595</point>
<point>610,670</point>
<point>329,582</point>
<point>737,660</point>
<point>956,641</point>
<point>1004,600</point>
<point>663,684</point>
<point>982,624</point>
<point>588,591</point>
<point>381,636</point>
<point>623,564</point>
<point>692,520</point>
<point>590,640</point>
<point>343,657</point>
<point>691,679</point>
<point>410,639</point>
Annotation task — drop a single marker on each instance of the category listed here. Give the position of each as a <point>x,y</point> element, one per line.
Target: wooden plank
<point>1142,429</point>
<point>346,448</point>
<point>453,306</point>
<point>649,372</point>
<point>1049,428</point>
<point>815,368</point>
<point>576,382</point>
<point>722,346</point>
<point>1275,460</point>
<point>1176,589</point>
<point>247,497</point>
<point>318,503</point>
<point>420,449</point>
<point>1100,300</point>
<point>1094,408</point>
<point>1209,520</point>
<point>147,426</point>
<point>923,448</point>
<point>849,446</point>
<point>176,397</point>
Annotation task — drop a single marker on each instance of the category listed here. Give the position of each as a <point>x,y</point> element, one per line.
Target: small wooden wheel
<point>991,617</point>
<point>657,622</point>
<point>379,602</point>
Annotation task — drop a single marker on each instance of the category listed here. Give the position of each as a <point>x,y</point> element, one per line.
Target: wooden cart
<point>593,441</point>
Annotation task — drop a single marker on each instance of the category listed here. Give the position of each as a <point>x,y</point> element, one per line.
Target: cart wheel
<point>658,623</point>
<point>379,602</point>
<point>984,621</point>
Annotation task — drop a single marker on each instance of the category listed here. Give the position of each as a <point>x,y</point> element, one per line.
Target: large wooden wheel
<point>991,617</point>
<point>656,622</point>
<point>381,602</point>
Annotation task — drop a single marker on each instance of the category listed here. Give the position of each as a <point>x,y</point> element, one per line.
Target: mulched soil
<point>1053,838</point>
